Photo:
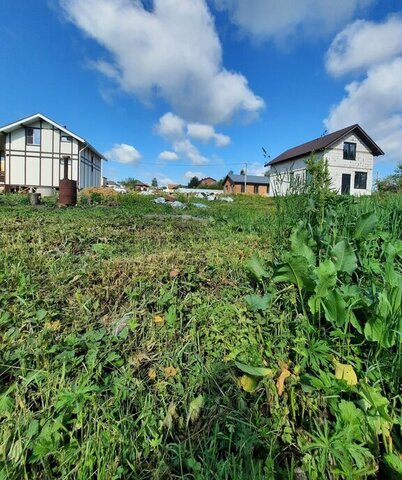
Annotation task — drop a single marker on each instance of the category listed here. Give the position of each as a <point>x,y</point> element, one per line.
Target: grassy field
<point>261,341</point>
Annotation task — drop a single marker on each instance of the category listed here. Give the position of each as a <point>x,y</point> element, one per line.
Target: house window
<point>66,138</point>
<point>349,151</point>
<point>361,180</point>
<point>255,188</point>
<point>32,136</point>
<point>92,163</point>
<point>243,189</point>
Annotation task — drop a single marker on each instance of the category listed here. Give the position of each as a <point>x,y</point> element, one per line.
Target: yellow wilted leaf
<point>158,320</point>
<point>170,415</point>
<point>152,373</point>
<point>169,371</point>
<point>248,383</point>
<point>280,383</point>
<point>345,372</point>
<point>54,326</point>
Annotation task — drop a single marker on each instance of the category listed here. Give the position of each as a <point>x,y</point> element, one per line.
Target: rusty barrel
<point>67,192</point>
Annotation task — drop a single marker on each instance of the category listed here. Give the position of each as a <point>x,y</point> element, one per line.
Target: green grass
<point>120,333</point>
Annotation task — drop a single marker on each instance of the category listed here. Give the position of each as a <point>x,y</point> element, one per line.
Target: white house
<point>33,151</point>
<point>349,153</point>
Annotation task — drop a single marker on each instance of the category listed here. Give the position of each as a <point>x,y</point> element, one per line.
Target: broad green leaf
<point>255,267</point>
<point>194,410</point>
<point>373,397</point>
<point>326,275</point>
<point>335,308</point>
<point>256,302</point>
<point>255,371</point>
<point>365,224</point>
<point>301,244</point>
<point>344,257</point>
<point>296,270</point>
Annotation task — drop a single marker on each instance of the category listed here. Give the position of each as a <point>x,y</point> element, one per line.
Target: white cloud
<point>171,51</point>
<point>256,169</point>
<point>167,155</point>
<point>123,153</point>
<point>186,149</point>
<point>280,19</point>
<point>170,126</point>
<point>207,133</point>
<point>189,175</point>
<point>376,104</point>
<point>363,44</point>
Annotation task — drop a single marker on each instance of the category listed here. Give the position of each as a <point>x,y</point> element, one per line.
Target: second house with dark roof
<point>350,156</point>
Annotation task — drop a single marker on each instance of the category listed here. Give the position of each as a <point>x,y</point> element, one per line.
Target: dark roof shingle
<point>325,141</point>
<point>254,179</point>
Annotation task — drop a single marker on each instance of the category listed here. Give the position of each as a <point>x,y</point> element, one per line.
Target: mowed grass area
<point>120,335</point>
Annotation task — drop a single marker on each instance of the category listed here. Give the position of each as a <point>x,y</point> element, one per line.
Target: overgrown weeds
<point>130,345</point>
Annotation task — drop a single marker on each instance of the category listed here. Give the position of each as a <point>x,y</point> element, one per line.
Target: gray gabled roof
<point>253,179</point>
<point>321,143</point>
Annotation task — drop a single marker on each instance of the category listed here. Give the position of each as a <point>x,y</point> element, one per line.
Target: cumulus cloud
<point>273,19</point>
<point>186,149</point>
<point>256,168</point>
<point>170,126</point>
<point>206,133</point>
<point>168,155</point>
<point>363,44</point>
<point>171,51</point>
<point>177,131</point>
<point>123,153</point>
<point>376,104</point>
<point>189,175</point>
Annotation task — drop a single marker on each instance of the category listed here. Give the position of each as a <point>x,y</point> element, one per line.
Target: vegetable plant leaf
<point>295,270</point>
<point>365,224</point>
<point>326,275</point>
<point>335,308</point>
<point>344,257</point>
<point>301,244</point>
<point>255,267</point>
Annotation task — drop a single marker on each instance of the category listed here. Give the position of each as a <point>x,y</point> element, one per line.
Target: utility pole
<point>245,178</point>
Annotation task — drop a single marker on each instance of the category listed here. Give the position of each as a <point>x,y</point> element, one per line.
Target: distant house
<point>206,182</point>
<point>140,186</point>
<point>350,155</point>
<point>251,184</point>
<point>33,151</point>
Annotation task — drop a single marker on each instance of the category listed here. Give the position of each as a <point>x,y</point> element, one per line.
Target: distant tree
<point>193,183</point>
<point>242,172</point>
<point>154,182</point>
<point>391,183</point>
<point>230,172</point>
<point>266,173</point>
<point>129,183</point>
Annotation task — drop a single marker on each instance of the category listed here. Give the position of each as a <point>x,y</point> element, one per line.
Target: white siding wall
<point>337,165</point>
<point>90,169</point>
<point>280,174</point>
<point>42,165</point>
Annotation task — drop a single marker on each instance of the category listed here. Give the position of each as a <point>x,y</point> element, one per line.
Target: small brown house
<point>207,182</point>
<point>251,184</point>
<point>140,186</point>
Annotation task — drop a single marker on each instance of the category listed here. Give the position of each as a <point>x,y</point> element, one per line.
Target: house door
<point>345,189</point>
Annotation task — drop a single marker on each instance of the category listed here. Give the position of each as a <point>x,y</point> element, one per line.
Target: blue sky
<point>172,88</point>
